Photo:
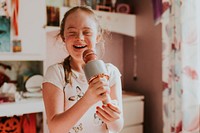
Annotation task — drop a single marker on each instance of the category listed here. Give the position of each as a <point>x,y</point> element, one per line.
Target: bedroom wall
<point>149,67</point>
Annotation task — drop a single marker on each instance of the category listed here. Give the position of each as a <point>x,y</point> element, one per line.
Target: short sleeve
<point>55,75</point>
<point>114,73</point>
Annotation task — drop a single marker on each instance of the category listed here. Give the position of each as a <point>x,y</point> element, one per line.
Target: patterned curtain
<point>181,66</point>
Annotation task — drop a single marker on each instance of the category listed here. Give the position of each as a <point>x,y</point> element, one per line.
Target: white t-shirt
<point>89,122</point>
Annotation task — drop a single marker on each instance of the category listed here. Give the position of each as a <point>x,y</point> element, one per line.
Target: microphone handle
<point>97,69</point>
<point>108,99</point>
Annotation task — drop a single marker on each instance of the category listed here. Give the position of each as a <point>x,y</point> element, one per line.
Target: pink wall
<point>114,51</point>
<point>149,65</point>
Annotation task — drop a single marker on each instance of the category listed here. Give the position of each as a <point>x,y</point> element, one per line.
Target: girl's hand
<point>97,91</point>
<point>109,113</point>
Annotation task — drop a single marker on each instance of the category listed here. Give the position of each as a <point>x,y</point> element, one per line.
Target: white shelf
<point>21,57</point>
<point>52,28</point>
<point>132,96</point>
<point>133,109</point>
<point>25,106</point>
<point>117,22</point>
<point>124,24</point>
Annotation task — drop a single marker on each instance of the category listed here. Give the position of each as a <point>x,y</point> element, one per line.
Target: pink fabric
<point>181,66</point>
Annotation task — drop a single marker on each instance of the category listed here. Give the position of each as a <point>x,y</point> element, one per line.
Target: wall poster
<point>5,26</point>
<point>53,12</point>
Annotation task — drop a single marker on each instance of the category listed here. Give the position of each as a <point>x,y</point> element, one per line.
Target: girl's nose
<point>80,36</point>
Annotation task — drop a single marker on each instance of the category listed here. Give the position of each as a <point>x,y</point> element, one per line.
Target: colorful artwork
<point>53,16</point>
<point>4,34</point>
<point>53,12</point>
<point>4,27</point>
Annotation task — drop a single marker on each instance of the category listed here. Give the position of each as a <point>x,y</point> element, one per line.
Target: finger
<point>101,91</point>
<point>99,84</point>
<point>102,88</point>
<point>114,107</point>
<point>111,112</point>
<point>97,80</point>
<point>103,80</point>
<point>102,117</point>
<point>106,115</point>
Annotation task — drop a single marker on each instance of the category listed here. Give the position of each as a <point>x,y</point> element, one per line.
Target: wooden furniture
<point>133,108</point>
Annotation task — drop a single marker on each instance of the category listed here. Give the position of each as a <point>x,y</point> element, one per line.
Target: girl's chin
<point>78,57</point>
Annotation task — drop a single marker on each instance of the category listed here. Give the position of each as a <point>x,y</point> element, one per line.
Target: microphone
<point>95,68</point>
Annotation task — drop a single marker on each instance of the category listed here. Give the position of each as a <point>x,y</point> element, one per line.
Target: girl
<point>71,104</point>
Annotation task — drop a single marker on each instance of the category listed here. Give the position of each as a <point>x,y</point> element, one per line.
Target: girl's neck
<point>77,65</point>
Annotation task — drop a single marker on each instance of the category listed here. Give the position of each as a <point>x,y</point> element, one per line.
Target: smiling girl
<point>72,105</point>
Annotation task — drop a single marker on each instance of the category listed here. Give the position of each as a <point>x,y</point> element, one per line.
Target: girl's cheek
<point>69,39</point>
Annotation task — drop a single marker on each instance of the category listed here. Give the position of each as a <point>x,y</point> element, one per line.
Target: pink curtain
<point>181,66</point>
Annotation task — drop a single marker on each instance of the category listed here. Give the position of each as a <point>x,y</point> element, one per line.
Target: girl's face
<point>80,33</point>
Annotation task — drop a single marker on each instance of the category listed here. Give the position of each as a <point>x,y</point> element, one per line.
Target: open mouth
<point>79,46</point>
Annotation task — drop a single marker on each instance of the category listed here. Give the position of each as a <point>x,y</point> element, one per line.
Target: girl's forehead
<point>80,18</point>
<point>79,14</point>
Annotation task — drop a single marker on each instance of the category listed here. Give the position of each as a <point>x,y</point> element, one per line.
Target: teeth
<point>79,46</point>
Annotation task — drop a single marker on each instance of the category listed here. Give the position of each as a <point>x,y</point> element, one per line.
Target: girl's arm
<point>112,113</point>
<point>60,121</point>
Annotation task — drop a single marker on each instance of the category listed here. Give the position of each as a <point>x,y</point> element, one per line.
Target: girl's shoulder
<point>56,70</point>
<point>112,70</point>
<point>55,75</point>
<point>56,67</point>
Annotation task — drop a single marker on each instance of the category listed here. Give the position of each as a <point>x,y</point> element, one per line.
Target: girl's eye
<point>88,33</point>
<point>71,33</point>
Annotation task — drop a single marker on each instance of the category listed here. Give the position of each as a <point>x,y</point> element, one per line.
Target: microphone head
<point>89,55</point>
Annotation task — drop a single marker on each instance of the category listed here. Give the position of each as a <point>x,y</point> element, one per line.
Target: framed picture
<point>5,27</point>
<point>103,8</point>
<point>53,16</point>
<point>123,8</point>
